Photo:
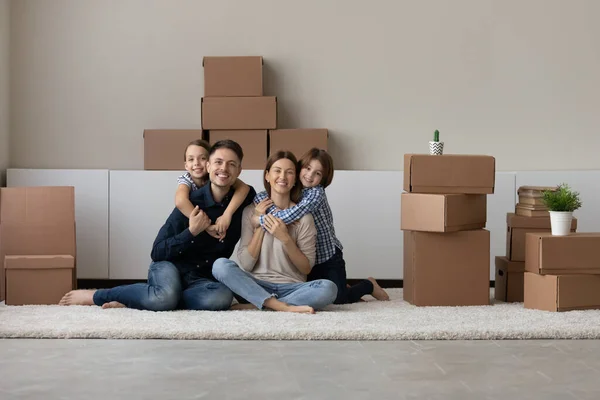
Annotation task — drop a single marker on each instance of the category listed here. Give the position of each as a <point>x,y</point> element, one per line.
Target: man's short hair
<point>227,144</point>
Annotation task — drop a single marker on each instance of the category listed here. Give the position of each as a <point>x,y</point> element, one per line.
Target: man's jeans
<point>316,294</point>
<point>167,290</point>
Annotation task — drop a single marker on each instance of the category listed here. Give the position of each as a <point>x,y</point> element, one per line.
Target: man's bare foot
<point>113,304</point>
<point>378,291</point>
<point>300,309</point>
<point>78,298</point>
<point>243,307</point>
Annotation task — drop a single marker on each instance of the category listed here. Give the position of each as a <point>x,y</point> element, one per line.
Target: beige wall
<point>511,78</point>
<point>4,88</point>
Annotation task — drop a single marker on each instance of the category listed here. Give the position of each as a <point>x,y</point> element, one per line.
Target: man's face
<point>224,167</point>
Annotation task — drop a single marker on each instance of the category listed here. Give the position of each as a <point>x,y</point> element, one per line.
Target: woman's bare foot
<point>243,307</point>
<point>78,298</point>
<point>378,291</point>
<point>277,305</point>
<point>113,304</point>
<point>300,309</point>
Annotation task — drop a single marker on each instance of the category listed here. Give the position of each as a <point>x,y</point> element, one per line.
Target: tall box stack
<point>510,268</point>
<point>443,216</point>
<point>37,244</point>
<point>234,106</point>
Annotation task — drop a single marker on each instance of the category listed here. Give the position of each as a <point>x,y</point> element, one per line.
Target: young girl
<point>316,173</point>
<point>196,157</point>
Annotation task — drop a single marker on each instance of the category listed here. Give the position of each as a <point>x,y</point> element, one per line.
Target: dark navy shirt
<point>196,255</point>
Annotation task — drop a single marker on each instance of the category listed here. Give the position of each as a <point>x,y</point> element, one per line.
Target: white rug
<point>372,320</point>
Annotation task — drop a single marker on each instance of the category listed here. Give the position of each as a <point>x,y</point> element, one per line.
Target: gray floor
<point>154,369</point>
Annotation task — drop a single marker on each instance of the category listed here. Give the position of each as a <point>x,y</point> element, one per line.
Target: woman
<point>275,260</point>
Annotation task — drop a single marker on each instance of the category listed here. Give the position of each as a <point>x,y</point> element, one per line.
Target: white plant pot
<point>436,148</point>
<point>560,221</point>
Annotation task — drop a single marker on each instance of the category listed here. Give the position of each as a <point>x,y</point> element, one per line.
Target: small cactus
<point>436,136</point>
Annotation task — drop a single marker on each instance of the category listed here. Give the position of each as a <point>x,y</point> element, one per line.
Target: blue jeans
<point>167,290</point>
<point>317,294</point>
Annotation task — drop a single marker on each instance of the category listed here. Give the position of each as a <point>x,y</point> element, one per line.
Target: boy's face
<point>223,167</point>
<point>195,161</point>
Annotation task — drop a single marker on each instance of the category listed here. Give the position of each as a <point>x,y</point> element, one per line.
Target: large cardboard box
<point>518,226</point>
<point>239,112</point>
<point>38,279</point>
<point>298,141</point>
<point>37,221</point>
<point>577,253</point>
<point>442,212</point>
<point>164,149</point>
<point>449,173</point>
<point>253,142</point>
<point>447,269</point>
<point>233,76</point>
<point>509,280</point>
<point>561,292</point>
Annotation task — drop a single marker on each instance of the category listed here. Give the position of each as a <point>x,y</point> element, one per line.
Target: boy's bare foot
<point>243,307</point>
<point>113,304</point>
<point>378,291</point>
<point>82,297</point>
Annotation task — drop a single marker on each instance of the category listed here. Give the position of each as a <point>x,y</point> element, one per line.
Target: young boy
<point>196,157</point>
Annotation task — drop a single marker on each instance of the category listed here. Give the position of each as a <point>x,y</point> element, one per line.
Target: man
<point>180,275</point>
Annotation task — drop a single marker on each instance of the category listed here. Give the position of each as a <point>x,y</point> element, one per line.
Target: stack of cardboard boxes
<point>37,244</point>
<point>510,269</point>
<point>233,107</point>
<point>443,216</point>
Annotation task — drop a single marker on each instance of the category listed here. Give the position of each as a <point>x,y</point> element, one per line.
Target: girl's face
<point>282,176</point>
<point>312,174</point>
<point>195,161</point>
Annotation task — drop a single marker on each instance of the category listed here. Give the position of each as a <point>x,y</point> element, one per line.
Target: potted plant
<point>436,147</point>
<point>561,203</point>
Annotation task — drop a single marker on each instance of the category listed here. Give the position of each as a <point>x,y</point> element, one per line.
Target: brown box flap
<point>449,173</point>
<point>239,112</point>
<point>575,253</point>
<point>233,76</point>
<point>442,212</point>
<point>298,141</point>
<point>164,149</point>
<point>42,205</point>
<point>39,262</point>
<point>519,221</point>
<point>253,142</point>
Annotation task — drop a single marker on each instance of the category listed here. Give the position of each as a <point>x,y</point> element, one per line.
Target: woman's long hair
<point>296,191</point>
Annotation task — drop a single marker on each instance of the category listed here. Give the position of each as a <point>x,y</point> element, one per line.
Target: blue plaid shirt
<point>314,201</point>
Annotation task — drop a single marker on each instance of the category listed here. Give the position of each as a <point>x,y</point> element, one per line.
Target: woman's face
<point>282,176</point>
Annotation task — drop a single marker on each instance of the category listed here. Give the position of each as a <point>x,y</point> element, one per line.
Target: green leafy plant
<point>436,136</point>
<point>561,199</point>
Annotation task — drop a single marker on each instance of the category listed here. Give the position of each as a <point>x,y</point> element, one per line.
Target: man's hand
<point>199,221</point>
<point>276,227</point>
<point>222,224</point>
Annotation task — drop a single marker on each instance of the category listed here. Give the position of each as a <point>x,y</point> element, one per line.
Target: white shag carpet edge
<point>371,320</point>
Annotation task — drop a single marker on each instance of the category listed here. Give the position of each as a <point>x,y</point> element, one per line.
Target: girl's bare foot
<point>378,291</point>
<point>78,298</point>
<point>113,304</point>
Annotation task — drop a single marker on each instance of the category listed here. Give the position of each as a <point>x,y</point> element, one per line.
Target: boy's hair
<point>227,144</point>
<point>324,158</point>
<point>197,142</point>
<point>281,154</point>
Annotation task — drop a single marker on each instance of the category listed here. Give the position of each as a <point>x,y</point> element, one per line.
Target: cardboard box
<point>527,210</point>
<point>38,279</point>
<point>449,173</point>
<point>298,141</point>
<point>36,221</point>
<point>253,142</point>
<point>447,269</point>
<point>233,76</point>
<point>518,226</point>
<point>509,280</point>
<point>577,253</point>
<point>239,112</point>
<point>164,149</point>
<point>443,212</point>
<point>561,292</point>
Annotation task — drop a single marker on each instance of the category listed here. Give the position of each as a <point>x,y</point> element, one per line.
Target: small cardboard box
<point>518,226</point>
<point>449,173</point>
<point>509,280</point>
<point>253,142</point>
<point>529,210</point>
<point>298,141</point>
<point>239,113</point>
<point>233,76</point>
<point>164,149</point>
<point>443,212</point>
<point>447,269</point>
<point>576,253</point>
<point>561,292</point>
<point>38,279</point>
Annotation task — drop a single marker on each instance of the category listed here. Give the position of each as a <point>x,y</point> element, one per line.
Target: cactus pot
<point>436,148</point>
